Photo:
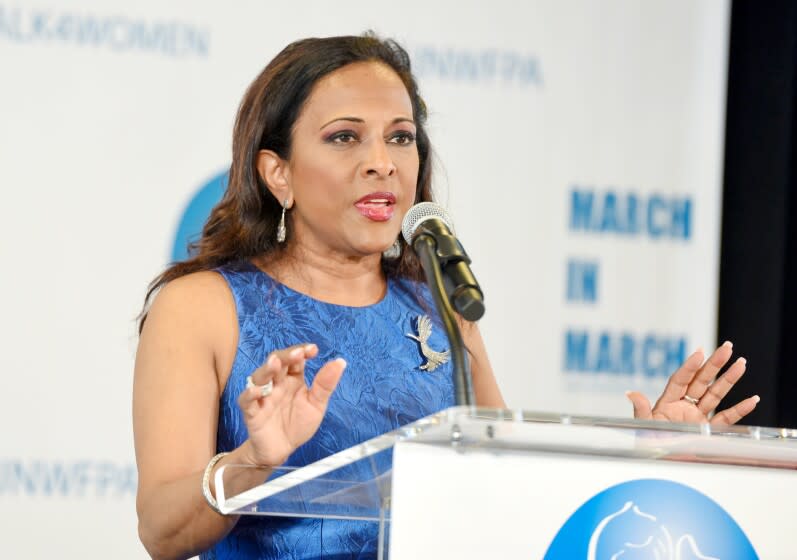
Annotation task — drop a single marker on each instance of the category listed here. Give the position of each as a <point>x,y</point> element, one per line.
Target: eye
<point>342,137</point>
<point>402,138</point>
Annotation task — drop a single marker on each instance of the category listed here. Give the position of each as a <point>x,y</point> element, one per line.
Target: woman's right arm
<point>190,331</point>
<point>184,356</point>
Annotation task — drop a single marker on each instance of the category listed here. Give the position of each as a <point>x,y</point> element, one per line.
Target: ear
<point>276,174</point>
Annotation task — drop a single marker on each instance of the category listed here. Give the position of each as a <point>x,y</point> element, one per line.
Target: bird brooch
<point>434,359</point>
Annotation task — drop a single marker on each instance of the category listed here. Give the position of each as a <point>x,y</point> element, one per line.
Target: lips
<point>377,206</point>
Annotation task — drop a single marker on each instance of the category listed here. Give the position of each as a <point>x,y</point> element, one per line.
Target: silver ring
<point>690,400</point>
<point>265,390</point>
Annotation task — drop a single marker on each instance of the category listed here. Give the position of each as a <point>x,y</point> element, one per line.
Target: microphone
<point>427,227</point>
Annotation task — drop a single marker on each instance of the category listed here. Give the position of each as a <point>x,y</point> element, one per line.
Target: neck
<point>341,280</point>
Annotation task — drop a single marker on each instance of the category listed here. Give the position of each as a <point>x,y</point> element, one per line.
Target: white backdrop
<point>580,153</point>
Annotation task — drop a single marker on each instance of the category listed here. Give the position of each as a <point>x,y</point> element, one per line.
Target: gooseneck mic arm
<point>427,229</point>
<point>425,248</point>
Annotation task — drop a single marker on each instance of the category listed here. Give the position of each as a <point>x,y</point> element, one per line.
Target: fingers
<point>737,412</point>
<point>261,376</point>
<point>717,390</point>
<point>642,410</point>
<point>680,380</point>
<point>705,376</point>
<point>292,360</point>
<point>284,362</point>
<point>325,382</point>
<point>267,371</point>
<point>279,365</point>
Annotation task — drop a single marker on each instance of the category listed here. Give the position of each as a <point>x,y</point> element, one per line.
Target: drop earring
<point>281,226</point>
<point>393,252</point>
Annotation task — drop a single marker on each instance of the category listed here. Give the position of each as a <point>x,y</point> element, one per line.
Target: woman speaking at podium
<point>300,325</point>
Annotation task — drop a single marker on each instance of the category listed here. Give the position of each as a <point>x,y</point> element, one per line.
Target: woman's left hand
<point>692,392</point>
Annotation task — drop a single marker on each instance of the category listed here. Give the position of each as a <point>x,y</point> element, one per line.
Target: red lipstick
<point>377,206</point>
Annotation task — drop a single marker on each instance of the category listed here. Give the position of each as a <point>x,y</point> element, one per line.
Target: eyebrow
<point>359,120</point>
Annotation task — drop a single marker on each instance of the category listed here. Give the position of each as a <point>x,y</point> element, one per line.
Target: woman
<point>245,343</point>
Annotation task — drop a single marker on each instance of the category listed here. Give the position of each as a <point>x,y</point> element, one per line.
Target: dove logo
<point>196,214</point>
<point>650,520</point>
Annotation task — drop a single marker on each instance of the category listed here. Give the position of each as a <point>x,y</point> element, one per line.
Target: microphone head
<point>418,214</point>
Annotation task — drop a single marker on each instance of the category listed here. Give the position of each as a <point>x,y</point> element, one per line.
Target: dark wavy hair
<point>244,222</point>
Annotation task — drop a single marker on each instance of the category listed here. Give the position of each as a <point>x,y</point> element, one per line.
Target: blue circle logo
<point>652,520</point>
<point>196,213</point>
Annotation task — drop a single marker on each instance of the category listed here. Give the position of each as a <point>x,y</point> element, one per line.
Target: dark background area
<point>758,258</point>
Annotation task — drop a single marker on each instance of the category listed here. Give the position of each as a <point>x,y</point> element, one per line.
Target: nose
<point>378,163</point>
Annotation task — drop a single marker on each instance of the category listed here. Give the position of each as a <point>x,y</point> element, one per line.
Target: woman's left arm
<point>485,387</point>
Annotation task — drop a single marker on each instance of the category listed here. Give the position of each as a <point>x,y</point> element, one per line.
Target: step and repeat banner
<point>579,149</point>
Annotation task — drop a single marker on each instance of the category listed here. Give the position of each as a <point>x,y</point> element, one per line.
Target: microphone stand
<point>426,248</point>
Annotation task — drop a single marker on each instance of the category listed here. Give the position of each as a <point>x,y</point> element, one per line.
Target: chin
<point>372,249</point>
<point>366,242</point>
<point>375,245</point>
<point>379,250</point>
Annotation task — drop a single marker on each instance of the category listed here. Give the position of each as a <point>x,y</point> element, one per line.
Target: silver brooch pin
<point>433,357</point>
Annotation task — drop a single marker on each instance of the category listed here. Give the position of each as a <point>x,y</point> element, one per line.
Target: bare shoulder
<point>207,285</point>
<point>196,311</point>
<point>197,296</point>
<point>470,332</point>
<point>484,383</point>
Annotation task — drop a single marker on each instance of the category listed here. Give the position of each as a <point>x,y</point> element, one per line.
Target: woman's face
<point>354,163</point>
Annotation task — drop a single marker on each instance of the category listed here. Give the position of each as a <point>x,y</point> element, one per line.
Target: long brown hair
<point>244,222</point>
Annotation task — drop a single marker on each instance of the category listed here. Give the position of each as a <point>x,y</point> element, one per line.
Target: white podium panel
<point>482,504</point>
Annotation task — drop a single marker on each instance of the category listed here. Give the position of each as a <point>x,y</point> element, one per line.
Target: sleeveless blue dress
<point>382,389</point>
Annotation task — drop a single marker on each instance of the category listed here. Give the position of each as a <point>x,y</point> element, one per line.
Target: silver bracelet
<point>206,482</point>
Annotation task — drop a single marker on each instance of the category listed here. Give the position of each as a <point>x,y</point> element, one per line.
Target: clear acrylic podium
<point>418,482</point>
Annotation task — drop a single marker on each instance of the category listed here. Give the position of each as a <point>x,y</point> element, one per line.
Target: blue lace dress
<point>382,388</point>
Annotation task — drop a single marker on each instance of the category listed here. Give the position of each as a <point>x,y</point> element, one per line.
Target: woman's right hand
<point>291,413</point>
